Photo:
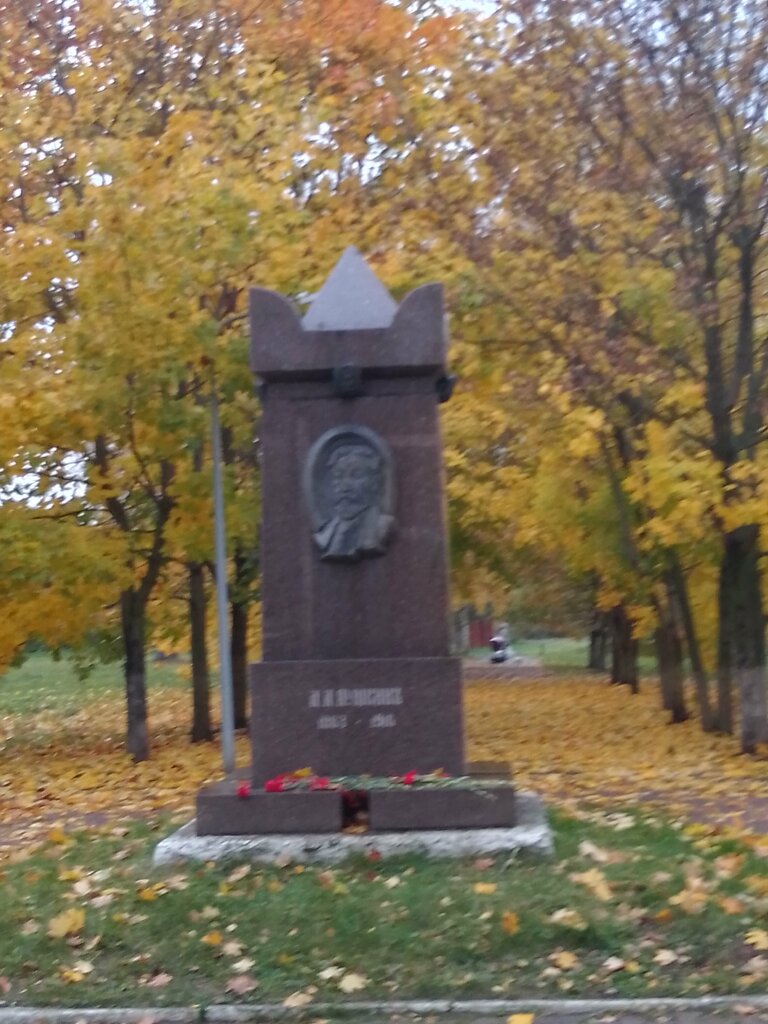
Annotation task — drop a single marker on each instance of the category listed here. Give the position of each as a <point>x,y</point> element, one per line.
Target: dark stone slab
<point>382,607</point>
<point>405,809</point>
<point>220,812</point>
<point>382,716</point>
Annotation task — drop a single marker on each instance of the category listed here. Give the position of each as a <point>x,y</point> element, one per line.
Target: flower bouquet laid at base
<point>304,780</point>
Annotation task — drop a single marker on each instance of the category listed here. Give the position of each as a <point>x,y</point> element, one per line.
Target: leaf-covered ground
<point>636,902</point>
<point>630,906</point>
<point>573,739</point>
<point>578,738</point>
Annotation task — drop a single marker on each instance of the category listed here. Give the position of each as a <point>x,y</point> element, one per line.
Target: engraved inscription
<point>332,722</point>
<point>381,721</point>
<point>349,490</point>
<point>359,697</point>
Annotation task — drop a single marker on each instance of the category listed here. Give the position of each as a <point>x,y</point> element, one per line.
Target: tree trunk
<point>678,583</point>
<point>598,643</point>
<point>669,657</point>
<point>201,731</point>
<point>741,648</point>
<point>624,649</point>
<point>133,620</point>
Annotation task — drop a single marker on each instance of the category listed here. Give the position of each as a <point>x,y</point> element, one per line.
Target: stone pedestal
<point>366,716</point>
<point>356,677</point>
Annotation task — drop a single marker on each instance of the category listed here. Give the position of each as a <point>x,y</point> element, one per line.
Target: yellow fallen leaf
<point>70,975</point>
<point>692,901</point>
<point>757,937</point>
<point>595,881</point>
<point>212,938</point>
<point>68,922</point>
<point>510,922</point>
<point>564,959</point>
<point>568,918</point>
<point>520,1018</point>
<point>70,874</point>
<point>484,888</point>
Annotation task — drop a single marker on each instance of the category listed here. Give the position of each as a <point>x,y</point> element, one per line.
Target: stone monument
<point>356,677</point>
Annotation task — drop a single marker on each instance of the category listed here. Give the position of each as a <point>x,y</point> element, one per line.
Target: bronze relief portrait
<point>349,489</point>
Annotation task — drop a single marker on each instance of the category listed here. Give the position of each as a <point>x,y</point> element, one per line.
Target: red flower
<point>409,778</point>
<point>373,855</point>
<point>275,785</point>
<point>243,790</point>
<point>320,782</point>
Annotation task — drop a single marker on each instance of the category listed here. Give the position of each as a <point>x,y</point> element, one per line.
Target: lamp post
<point>225,664</point>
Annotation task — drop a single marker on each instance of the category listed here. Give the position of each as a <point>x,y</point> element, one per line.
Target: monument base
<point>356,716</point>
<point>485,801</point>
<point>530,835</point>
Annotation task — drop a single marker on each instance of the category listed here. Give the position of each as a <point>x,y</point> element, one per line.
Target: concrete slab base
<point>531,835</point>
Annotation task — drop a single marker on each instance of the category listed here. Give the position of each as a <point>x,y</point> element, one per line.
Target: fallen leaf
<point>692,901</point>
<point>665,957</point>
<point>595,881</point>
<point>520,1018</point>
<point>244,965</point>
<point>239,873</point>
<point>510,922</point>
<point>731,905</point>
<point>568,918</point>
<point>212,938</point>
<point>564,959</point>
<point>484,888</point>
<point>297,999</point>
<point>613,964</point>
<point>353,982</point>
<point>329,973</point>
<point>68,922</point>
<point>758,938</point>
<point>71,975</point>
<point>159,980</point>
<point>589,849</point>
<point>241,984</point>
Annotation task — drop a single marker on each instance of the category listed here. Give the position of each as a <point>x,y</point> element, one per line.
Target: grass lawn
<point>42,684</point>
<point>630,906</point>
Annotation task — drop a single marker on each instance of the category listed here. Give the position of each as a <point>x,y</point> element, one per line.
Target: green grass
<point>42,683</point>
<point>412,927</point>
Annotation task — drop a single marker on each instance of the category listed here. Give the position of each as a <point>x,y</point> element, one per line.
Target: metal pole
<point>225,665</point>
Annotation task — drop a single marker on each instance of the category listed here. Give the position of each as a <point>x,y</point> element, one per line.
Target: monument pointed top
<point>351,299</point>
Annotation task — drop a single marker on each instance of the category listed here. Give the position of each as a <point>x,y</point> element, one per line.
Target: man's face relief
<point>352,485</point>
